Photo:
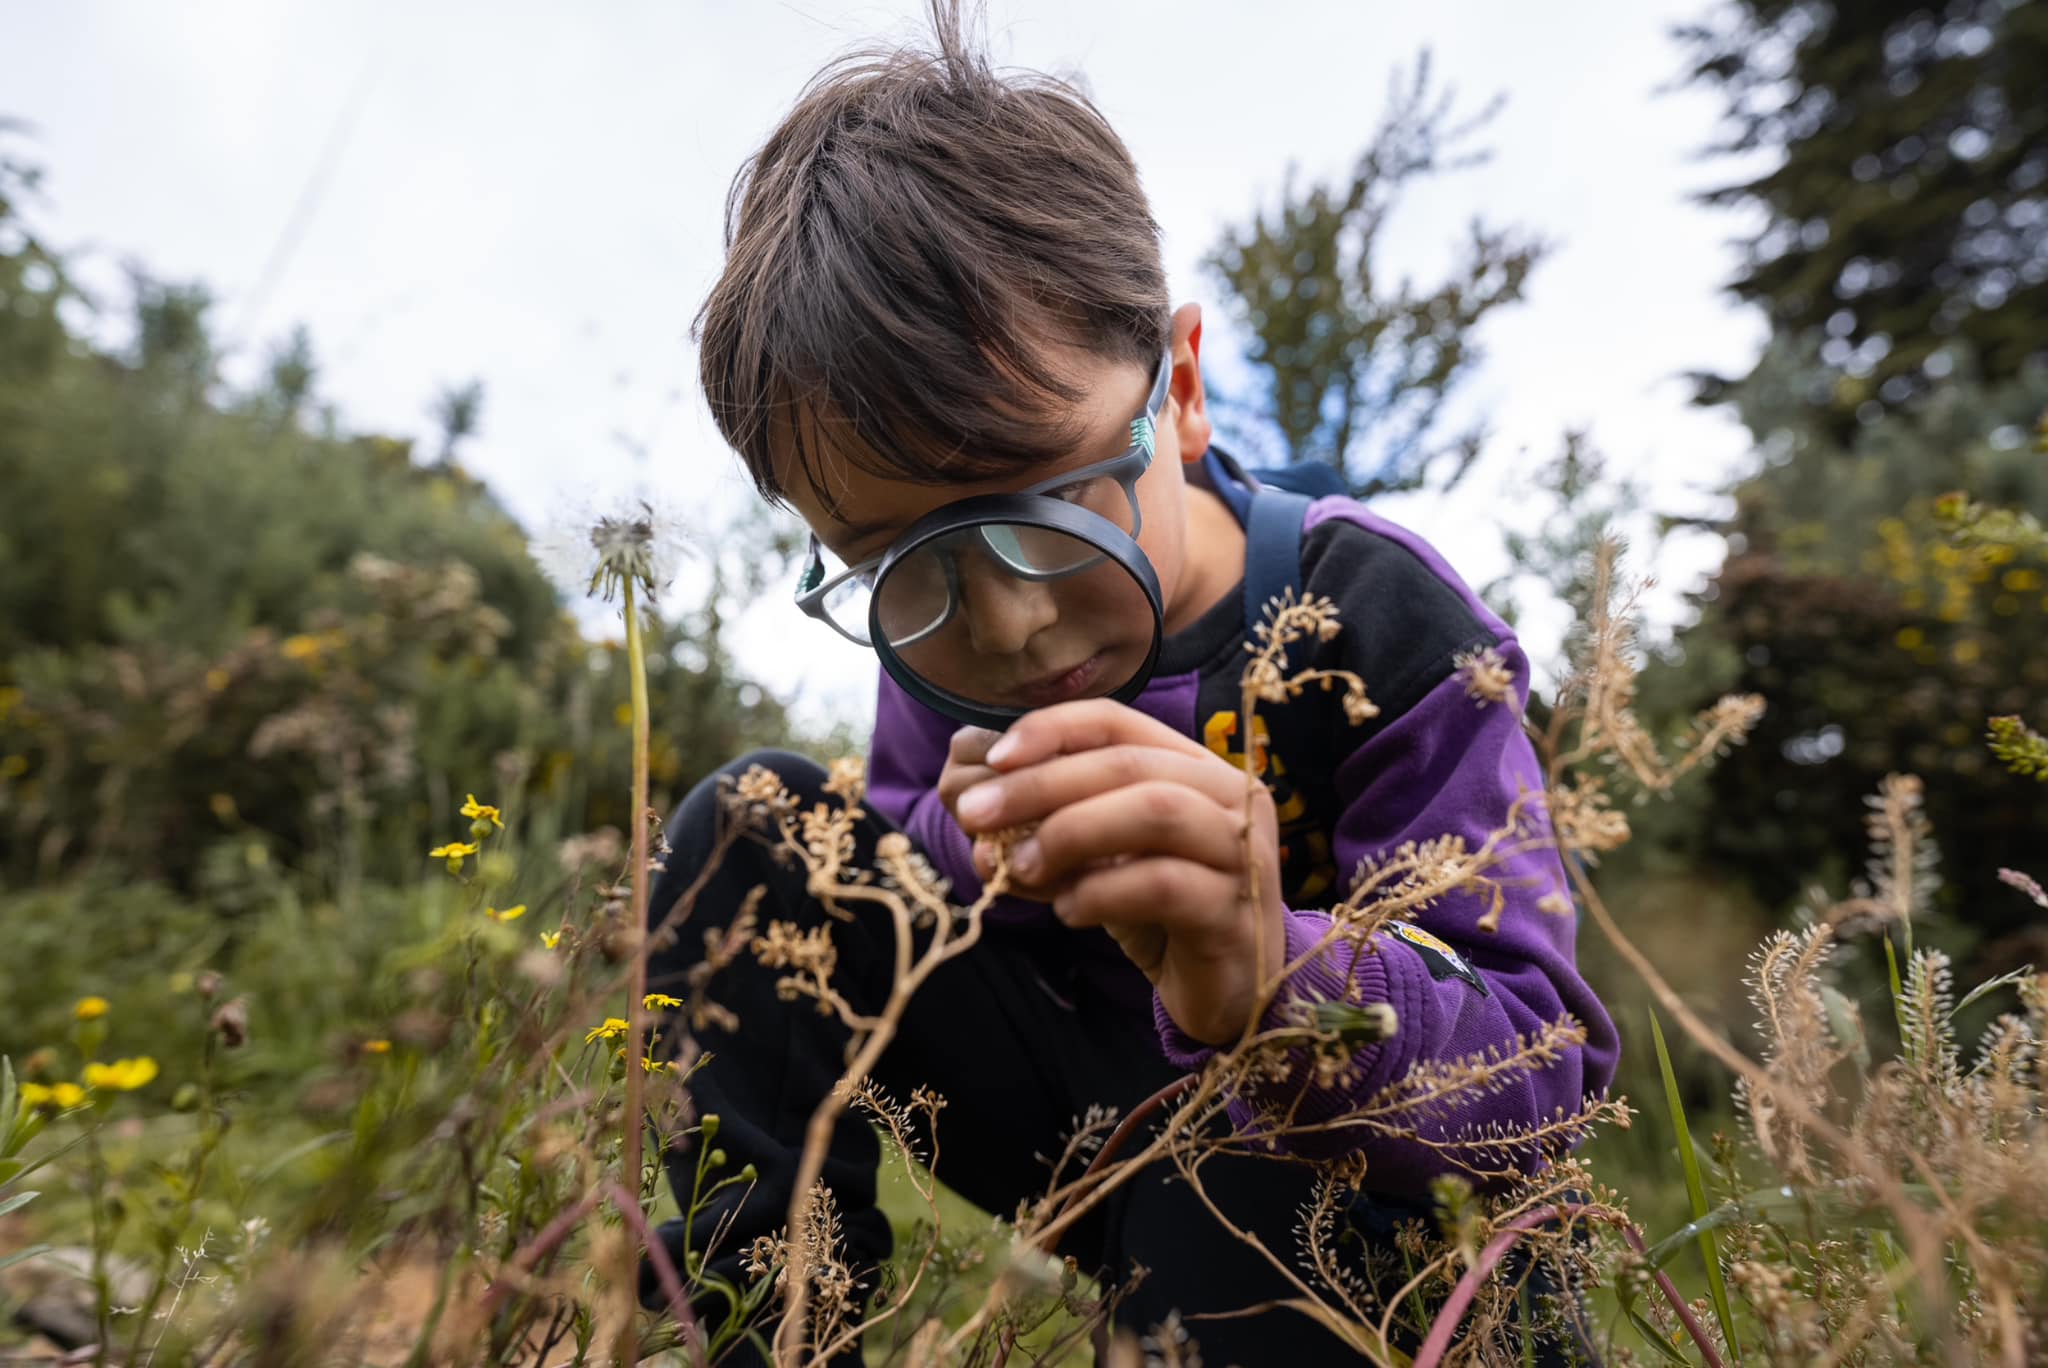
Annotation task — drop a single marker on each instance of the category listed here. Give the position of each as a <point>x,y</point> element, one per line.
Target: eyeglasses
<point>924,589</point>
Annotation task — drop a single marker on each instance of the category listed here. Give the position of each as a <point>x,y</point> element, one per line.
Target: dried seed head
<point>231,1024</point>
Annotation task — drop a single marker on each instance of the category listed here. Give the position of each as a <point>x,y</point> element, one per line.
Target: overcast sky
<point>531,194</point>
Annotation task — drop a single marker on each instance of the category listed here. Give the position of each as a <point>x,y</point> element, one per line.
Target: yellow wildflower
<point>13,766</point>
<point>612,1028</point>
<point>654,1000</point>
<point>512,913</point>
<point>481,811</point>
<point>217,679</point>
<point>304,646</point>
<point>550,939</point>
<point>51,1097</point>
<point>654,1066</point>
<point>376,1047</point>
<point>90,1008</point>
<point>453,853</point>
<point>123,1075</point>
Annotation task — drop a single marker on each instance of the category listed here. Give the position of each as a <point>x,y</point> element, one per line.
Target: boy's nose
<point>1002,611</point>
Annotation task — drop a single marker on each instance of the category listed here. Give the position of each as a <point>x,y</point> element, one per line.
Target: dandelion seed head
<point>594,549</point>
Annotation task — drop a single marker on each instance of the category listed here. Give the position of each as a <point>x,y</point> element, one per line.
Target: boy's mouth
<point>1062,685</point>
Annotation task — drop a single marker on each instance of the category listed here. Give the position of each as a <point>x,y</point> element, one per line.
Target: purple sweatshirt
<point>1435,762</point>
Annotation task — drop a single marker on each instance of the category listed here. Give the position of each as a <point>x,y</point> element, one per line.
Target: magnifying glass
<point>998,604</point>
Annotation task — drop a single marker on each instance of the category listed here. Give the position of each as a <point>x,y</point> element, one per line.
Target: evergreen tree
<point>1881,643</point>
<point>1908,204</point>
<point>1355,366</point>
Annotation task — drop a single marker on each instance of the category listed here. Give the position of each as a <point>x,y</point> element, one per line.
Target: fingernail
<point>1024,860</point>
<point>979,803</point>
<point>1000,751</point>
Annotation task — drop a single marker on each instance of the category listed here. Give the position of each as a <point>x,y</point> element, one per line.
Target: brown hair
<point>900,252</point>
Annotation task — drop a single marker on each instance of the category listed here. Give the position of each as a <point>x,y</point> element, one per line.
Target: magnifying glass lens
<point>1011,616</point>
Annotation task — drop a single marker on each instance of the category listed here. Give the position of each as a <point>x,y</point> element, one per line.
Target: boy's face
<point>1022,644</point>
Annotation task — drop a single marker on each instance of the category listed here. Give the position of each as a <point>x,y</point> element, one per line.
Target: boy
<point>945,285</point>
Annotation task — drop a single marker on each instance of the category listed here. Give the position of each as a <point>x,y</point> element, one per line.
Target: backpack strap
<point>1272,560</point>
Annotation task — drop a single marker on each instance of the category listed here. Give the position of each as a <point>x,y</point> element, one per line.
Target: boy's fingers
<point>956,779</point>
<point>969,745</point>
<point>1026,795</point>
<point>1137,823</point>
<point>1066,728</point>
<point>1156,891</point>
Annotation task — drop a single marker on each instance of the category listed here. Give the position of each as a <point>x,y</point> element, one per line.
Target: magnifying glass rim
<point>1028,510</point>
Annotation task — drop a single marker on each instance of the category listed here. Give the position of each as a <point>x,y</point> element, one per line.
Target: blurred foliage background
<point>252,661</point>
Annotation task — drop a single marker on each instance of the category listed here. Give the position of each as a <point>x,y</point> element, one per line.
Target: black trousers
<point>1020,1035</point>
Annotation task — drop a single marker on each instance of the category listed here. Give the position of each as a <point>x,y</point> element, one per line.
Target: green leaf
<point>1766,1203</point>
<point>1695,1189</point>
<point>1845,1025</point>
<point>9,1260</point>
<point>1652,1337</point>
<point>17,1201</point>
<point>1891,964</point>
<point>7,1099</point>
<point>2019,975</point>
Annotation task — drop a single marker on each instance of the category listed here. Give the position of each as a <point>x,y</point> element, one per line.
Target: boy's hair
<point>901,253</point>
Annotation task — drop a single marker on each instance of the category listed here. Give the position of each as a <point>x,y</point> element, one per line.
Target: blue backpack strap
<point>1272,559</point>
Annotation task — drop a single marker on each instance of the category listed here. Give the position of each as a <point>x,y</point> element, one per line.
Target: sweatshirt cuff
<point>1335,972</point>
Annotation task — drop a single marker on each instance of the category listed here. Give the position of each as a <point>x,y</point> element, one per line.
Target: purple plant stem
<point>1453,1313</point>
<point>537,1249</point>
<point>1119,1137</point>
<point>664,1267</point>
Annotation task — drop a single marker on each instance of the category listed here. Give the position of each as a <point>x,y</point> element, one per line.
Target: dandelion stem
<point>636,1004</point>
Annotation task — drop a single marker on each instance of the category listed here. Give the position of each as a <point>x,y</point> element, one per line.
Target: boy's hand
<point>966,766</point>
<point>1141,832</point>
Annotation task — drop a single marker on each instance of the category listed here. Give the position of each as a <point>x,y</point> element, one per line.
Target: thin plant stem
<point>628,1204</point>
<point>636,1000</point>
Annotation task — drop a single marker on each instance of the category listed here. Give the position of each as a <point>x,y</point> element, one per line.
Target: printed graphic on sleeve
<point>1443,961</point>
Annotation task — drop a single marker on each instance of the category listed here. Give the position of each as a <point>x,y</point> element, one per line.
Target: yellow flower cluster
<point>454,852</point>
<point>613,1028</point>
<point>308,647</point>
<point>483,821</point>
<point>1944,583</point>
<point>89,1008</point>
<point>53,1096</point>
<point>123,1075</point>
<point>483,817</point>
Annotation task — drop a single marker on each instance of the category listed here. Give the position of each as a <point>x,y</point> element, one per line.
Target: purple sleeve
<point>904,760</point>
<point>905,757</point>
<point>1448,765</point>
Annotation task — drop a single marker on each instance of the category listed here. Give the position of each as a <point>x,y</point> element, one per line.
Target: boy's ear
<point>1189,414</point>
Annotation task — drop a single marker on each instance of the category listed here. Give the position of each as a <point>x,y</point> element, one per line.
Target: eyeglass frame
<point>1125,469</point>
